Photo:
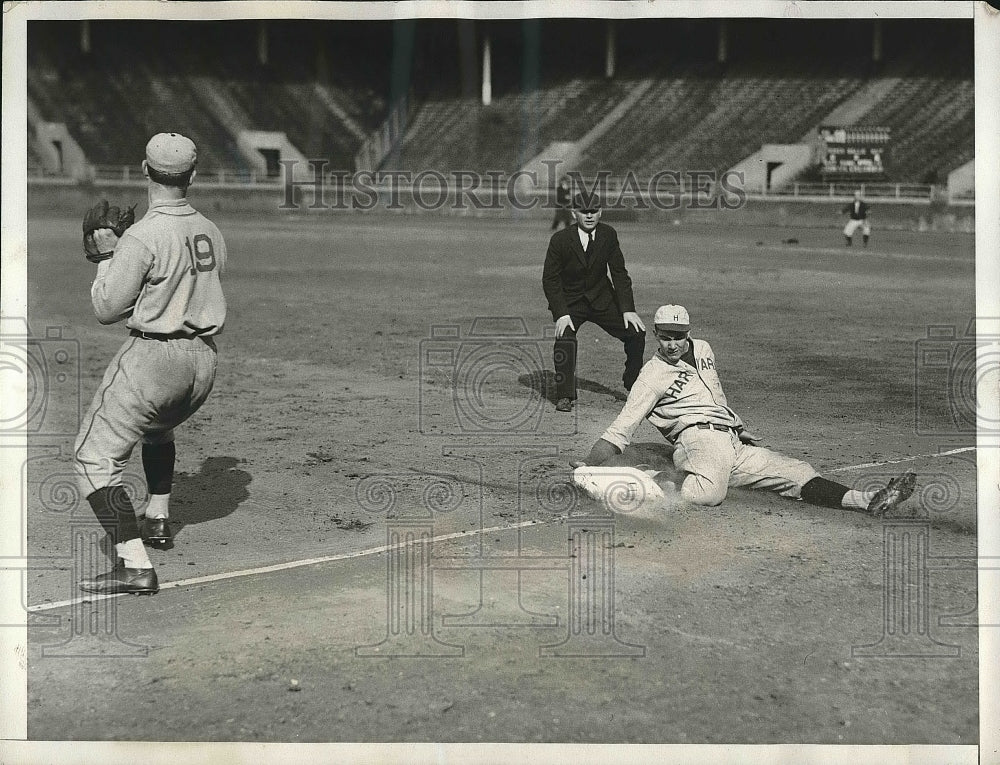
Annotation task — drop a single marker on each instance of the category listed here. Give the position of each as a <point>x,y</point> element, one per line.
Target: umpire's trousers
<point>610,320</point>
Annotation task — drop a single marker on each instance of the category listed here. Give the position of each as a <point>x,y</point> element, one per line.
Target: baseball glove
<point>101,216</point>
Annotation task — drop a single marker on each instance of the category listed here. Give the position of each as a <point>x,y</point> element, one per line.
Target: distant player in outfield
<point>857,212</point>
<point>679,392</point>
<point>162,278</point>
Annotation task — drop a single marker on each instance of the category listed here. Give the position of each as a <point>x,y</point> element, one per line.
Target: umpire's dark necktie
<point>590,243</point>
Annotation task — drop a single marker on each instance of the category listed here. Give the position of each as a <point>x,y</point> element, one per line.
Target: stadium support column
<point>722,46</point>
<point>84,36</point>
<point>877,41</point>
<point>404,38</point>
<point>487,72</point>
<point>261,42</point>
<point>609,50</point>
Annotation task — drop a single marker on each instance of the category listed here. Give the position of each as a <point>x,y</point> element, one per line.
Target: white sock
<point>158,506</point>
<point>133,554</point>
<point>857,500</point>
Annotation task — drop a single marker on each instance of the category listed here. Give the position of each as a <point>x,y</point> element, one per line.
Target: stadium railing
<point>611,186</point>
<point>907,191</point>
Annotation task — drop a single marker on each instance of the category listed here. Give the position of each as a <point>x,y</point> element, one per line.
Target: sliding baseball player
<point>679,392</point>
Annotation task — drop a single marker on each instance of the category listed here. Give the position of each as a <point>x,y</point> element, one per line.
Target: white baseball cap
<point>171,153</point>
<point>672,317</point>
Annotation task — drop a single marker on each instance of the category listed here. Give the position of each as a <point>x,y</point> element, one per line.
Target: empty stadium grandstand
<point>624,96</point>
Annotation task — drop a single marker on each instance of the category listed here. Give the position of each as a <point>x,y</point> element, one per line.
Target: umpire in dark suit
<point>576,283</point>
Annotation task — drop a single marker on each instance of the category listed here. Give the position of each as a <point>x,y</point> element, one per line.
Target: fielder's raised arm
<point>119,280</point>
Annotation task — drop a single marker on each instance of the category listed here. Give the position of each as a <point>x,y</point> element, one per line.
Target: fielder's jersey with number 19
<point>172,260</point>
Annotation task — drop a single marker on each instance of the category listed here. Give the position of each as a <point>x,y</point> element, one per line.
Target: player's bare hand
<point>749,438</point>
<point>577,463</point>
<point>105,239</point>
<point>631,317</point>
<point>562,323</point>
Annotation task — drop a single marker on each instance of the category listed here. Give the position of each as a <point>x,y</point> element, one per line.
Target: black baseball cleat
<point>156,532</point>
<point>564,405</point>
<point>135,581</point>
<point>899,490</point>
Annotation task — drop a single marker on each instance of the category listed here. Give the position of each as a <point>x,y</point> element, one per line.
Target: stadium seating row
<point>698,113</point>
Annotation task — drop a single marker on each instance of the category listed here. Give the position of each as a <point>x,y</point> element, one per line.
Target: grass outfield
<point>747,613</point>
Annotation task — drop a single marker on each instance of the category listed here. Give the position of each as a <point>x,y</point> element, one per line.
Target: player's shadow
<point>214,492</point>
<point>544,383</point>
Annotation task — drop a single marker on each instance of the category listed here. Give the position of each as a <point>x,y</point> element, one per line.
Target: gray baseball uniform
<point>686,403</point>
<point>164,281</point>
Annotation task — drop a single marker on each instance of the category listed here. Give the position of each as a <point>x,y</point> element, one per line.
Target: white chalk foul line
<point>94,598</point>
<point>383,548</point>
<point>902,459</point>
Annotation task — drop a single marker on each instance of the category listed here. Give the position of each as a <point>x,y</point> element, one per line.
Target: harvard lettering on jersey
<point>674,396</point>
<point>164,275</point>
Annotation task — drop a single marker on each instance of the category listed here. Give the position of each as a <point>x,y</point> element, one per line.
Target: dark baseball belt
<point>702,426</point>
<point>159,336</point>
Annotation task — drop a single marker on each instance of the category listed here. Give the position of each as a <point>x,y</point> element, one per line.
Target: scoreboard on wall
<point>854,152</point>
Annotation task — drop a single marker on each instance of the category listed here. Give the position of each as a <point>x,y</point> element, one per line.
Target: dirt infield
<point>339,424</point>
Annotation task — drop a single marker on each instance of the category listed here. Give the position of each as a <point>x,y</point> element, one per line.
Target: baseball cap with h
<point>171,153</point>
<point>673,318</point>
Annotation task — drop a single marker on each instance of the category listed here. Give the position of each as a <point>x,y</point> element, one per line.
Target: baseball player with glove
<point>161,275</point>
<point>679,392</point>
<point>857,212</point>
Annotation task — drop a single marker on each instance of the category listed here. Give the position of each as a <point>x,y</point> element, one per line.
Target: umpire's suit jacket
<point>576,283</point>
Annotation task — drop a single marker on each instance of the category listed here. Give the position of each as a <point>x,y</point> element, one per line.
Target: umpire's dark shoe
<point>156,532</point>
<point>564,405</point>
<point>899,490</point>
<point>136,581</point>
